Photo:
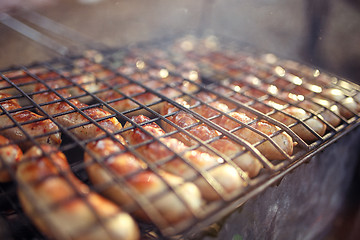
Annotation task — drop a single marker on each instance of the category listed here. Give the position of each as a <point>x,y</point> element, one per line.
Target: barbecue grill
<point>186,64</point>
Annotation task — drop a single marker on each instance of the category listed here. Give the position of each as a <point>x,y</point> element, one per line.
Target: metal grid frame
<point>255,186</point>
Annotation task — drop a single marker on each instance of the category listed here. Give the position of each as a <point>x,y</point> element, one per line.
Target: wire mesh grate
<point>164,107</point>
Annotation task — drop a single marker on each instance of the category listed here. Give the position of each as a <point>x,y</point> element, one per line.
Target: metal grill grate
<point>141,80</point>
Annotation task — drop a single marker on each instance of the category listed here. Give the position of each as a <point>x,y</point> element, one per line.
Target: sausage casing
<point>10,155</point>
<point>268,149</point>
<point>63,207</point>
<point>44,131</point>
<point>246,161</point>
<point>122,164</point>
<point>69,117</point>
<point>224,174</point>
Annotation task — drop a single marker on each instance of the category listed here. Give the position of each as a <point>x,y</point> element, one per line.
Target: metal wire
<point>210,212</point>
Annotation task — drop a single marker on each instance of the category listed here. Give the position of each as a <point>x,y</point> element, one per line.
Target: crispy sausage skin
<point>347,105</point>
<point>298,113</point>
<point>325,99</point>
<point>10,155</point>
<point>118,96</point>
<point>122,164</point>
<point>224,174</point>
<point>329,114</point>
<point>316,104</point>
<point>246,161</point>
<point>283,140</point>
<point>27,83</point>
<point>120,103</point>
<point>72,117</point>
<point>289,117</point>
<point>63,207</point>
<point>31,122</point>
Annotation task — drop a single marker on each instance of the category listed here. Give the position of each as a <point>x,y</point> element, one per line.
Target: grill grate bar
<point>255,112</point>
<point>22,186</point>
<point>256,185</point>
<point>298,120</point>
<point>141,200</point>
<point>225,132</point>
<point>132,150</point>
<point>267,118</point>
<point>309,87</point>
<point>209,123</point>
<point>142,106</point>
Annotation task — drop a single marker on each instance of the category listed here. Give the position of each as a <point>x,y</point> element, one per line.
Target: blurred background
<point>323,33</point>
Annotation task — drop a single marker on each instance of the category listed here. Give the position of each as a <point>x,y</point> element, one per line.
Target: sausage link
<point>153,79</point>
<point>313,122</point>
<point>224,174</point>
<point>10,155</point>
<point>27,83</point>
<point>86,129</point>
<point>173,208</point>
<point>31,124</point>
<point>295,113</point>
<point>283,140</point>
<point>63,207</point>
<point>295,97</point>
<point>246,161</point>
<point>348,102</point>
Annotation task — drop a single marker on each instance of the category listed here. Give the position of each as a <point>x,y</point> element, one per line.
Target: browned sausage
<point>27,83</point>
<point>172,208</point>
<point>85,129</point>
<point>246,161</point>
<point>32,123</point>
<point>156,79</point>
<point>10,155</point>
<point>224,174</point>
<point>283,140</point>
<point>63,207</point>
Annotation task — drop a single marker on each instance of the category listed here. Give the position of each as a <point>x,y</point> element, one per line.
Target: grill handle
<point>33,34</point>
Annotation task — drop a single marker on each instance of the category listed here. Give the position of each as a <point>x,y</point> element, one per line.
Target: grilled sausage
<point>173,208</point>
<point>315,104</point>
<point>156,79</point>
<point>329,114</point>
<point>246,161</point>
<point>313,122</point>
<point>317,125</point>
<point>299,114</point>
<point>10,155</point>
<point>42,130</point>
<point>27,83</point>
<point>348,102</point>
<point>63,207</point>
<point>224,174</point>
<point>344,104</point>
<point>71,117</point>
<point>24,81</point>
<point>328,91</point>
<point>295,113</point>
<point>283,140</point>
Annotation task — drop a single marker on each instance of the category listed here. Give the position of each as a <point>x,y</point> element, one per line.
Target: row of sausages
<point>63,198</point>
<point>120,160</point>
